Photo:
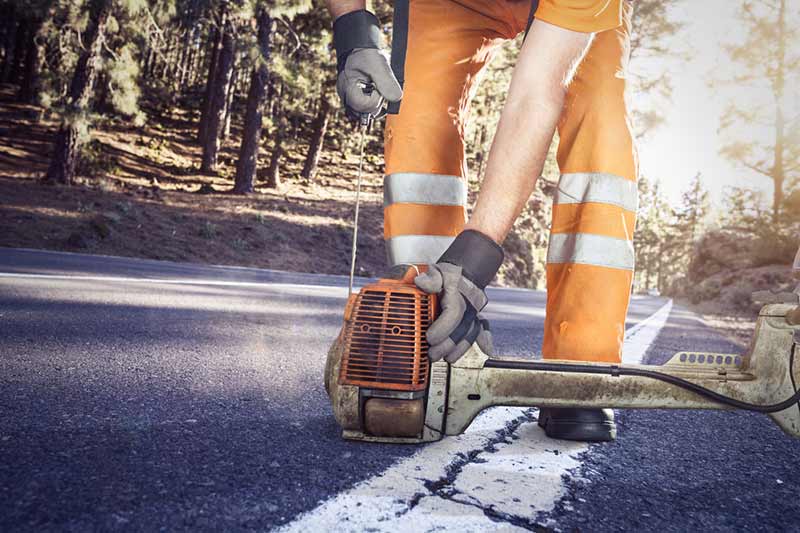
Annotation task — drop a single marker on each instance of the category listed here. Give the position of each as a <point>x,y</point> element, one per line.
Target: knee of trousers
<point>586,309</point>
<point>423,212</point>
<point>590,264</point>
<point>595,132</point>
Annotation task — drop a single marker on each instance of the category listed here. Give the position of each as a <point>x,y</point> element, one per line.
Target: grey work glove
<point>365,78</point>
<point>460,278</point>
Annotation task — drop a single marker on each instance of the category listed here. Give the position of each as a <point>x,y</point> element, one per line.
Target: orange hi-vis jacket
<point>590,258</point>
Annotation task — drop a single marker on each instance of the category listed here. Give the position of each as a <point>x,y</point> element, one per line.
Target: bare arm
<point>536,97</point>
<point>341,7</point>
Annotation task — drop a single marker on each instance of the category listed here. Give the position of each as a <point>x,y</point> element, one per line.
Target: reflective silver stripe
<point>597,187</point>
<point>416,249</point>
<point>430,189</point>
<point>588,249</point>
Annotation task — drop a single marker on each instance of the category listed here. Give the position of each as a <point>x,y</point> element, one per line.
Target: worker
<point>570,76</point>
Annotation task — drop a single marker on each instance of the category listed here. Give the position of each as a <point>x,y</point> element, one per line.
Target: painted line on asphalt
<point>502,474</point>
<point>639,338</point>
<point>172,281</point>
<point>333,289</point>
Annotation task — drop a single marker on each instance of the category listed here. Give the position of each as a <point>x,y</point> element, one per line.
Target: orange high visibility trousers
<point>590,255</point>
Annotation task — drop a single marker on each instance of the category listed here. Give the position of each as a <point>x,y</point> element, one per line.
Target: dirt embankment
<point>734,273</point>
<point>141,195</point>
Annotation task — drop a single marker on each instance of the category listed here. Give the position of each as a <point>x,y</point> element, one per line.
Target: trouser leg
<point>425,189</point>
<point>590,257</point>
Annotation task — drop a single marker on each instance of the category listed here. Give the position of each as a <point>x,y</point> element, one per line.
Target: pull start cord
<point>366,120</point>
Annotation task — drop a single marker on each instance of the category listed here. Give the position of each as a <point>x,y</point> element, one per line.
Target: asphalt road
<point>142,395</point>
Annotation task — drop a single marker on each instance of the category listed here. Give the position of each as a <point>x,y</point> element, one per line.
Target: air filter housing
<point>385,346</point>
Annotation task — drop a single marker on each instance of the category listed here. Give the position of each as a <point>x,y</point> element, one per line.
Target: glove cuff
<point>357,29</point>
<point>478,256</point>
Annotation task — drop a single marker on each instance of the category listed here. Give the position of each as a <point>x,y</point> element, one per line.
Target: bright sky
<point>689,141</point>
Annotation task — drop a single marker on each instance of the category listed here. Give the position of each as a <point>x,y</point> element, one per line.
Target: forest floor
<point>140,194</point>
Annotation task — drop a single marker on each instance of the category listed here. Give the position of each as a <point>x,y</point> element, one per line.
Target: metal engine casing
<point>378,372</point>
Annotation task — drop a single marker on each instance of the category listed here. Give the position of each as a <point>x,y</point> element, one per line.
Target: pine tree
<point>770,59</point>
<point>694,210</point>
<point>219,92</point>
<point>72,131</point>
<point>652,227</point>
<point>319,128</point>
<point>38,13</point>
<point>251,138</point>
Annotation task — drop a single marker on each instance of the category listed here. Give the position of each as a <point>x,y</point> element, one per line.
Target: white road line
<point>330,289</point>
<point>500,475</point>
<point>639,338</point>
<point>200,281</point>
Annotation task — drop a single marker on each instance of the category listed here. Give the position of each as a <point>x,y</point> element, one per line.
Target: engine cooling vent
<point>385,338</point>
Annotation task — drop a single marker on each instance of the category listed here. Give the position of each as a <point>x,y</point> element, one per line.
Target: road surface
<point>142,395</point>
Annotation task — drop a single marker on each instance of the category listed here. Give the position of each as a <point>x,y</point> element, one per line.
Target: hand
<point>365,78</point>
<point>460,277</point>
<point>366,82</point>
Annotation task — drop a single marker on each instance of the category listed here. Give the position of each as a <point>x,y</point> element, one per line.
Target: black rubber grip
<point>357,29</point>
<point>478,256</point>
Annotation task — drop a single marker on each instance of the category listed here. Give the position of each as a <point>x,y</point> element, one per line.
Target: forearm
<point>527,123</point>
<point>338,8</point>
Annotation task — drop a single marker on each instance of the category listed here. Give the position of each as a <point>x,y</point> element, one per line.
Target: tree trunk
<point>216,108</point>
<point>251,137</point>
<point>68,139</point>
<point>101,94</point>
<point>202,54</point>
<point>213,56</point>
<point>274,170</point>
<point>13,49</point>
<point>660,274</point>
<point>149,59</point>
<point>187,57</point>
<point>317,138</point>
<point>9,37</point>
<point>29,87</point>
<point>168,67</point>
<point>229,96</point>
<point>173,73</point>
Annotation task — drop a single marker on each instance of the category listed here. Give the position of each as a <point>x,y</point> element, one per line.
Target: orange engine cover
<point>385,346</point>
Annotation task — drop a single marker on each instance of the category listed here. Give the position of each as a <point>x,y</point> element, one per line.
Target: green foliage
<point>652,229</point>
<point>691,217</point>
<point>96,162</point>
<point>666,237</point>
<point>774,241</point>
<point>123,78</point>
<point>209,230</point>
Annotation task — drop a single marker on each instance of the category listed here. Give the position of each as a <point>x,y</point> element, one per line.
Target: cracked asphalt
<point>198,405</point>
